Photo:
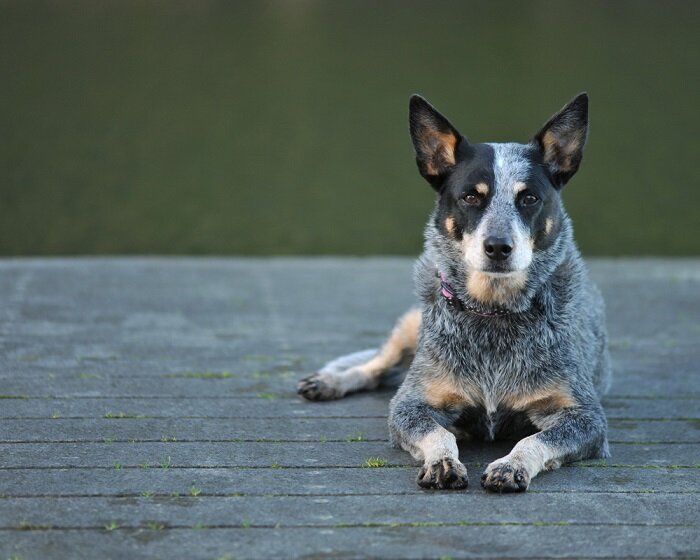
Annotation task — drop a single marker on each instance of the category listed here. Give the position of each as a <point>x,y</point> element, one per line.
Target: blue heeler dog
<point>509,340</point>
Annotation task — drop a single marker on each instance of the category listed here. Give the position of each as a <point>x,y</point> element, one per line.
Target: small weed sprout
<point>375,462</point>
<point>111,526</point>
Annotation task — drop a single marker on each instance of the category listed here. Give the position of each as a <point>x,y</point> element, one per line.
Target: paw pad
<point>315,388</point>
<point>443,474</point>
<point>505,477</point>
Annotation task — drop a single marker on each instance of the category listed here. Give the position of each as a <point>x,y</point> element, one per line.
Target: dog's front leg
<point>570,434</point>
<point>420,429</point>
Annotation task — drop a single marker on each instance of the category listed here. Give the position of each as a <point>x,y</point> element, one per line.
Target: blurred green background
<point>281,127</point>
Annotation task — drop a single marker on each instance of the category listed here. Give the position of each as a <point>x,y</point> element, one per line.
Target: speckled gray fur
<point>559,335</point>
<point>538,368</point>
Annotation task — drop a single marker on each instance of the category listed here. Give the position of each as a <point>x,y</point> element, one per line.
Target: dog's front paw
<point>504,476</point>
<point>444,474</point>
<point>317,387</point>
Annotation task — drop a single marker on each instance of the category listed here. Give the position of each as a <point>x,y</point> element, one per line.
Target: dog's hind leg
<point>363,371</point>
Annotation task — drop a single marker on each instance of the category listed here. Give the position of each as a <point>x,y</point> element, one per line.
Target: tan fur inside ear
<point>499,290</point>
<point>559,151</point>
<point>442,148</point>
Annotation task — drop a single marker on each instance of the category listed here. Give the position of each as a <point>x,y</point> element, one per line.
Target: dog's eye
<point>530,200</point>
<point>472,199</point>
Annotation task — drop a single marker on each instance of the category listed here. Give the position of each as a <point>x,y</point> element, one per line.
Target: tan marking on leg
<point>519,187</point>
<point>450,225</point>
<point>400,346</point>
<point>547,399</point>
<point>402,342</point>
<point>495,289</point>
<point>548,225</point>
<point>482,188</point>
<point>543,404</point>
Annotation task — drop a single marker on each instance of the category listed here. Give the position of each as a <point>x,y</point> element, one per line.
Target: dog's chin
<point>496,285</point>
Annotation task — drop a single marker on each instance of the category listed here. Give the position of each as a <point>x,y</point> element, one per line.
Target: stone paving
<point>148,410</point>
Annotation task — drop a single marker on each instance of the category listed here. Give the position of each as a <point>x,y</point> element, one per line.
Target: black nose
<point>498,248</point>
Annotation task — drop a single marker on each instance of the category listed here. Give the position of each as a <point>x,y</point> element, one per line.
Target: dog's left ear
<point>562,139</point>
<point>434,139</point>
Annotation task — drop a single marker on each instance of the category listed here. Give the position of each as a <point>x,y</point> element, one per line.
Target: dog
<point>509,340</point>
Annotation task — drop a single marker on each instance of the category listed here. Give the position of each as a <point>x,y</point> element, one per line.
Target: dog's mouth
<point>498,270</point>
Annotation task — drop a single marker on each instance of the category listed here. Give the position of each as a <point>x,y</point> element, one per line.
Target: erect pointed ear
<point>434,139</point>
<point>562,139</point>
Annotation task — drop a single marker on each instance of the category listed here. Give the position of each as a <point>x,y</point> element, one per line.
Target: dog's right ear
<point>434,139</point>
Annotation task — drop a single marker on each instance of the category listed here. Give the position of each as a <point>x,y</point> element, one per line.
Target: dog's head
<point>500,203</point>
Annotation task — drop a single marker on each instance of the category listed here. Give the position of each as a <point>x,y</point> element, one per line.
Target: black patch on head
<point>454,167</point>
<point>549,207</point>
<point>475,165</point>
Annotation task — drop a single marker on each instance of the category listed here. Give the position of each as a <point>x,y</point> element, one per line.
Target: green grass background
<point>280,127</point>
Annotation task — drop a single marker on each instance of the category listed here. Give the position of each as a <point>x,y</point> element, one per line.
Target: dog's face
<point>499,202</point>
